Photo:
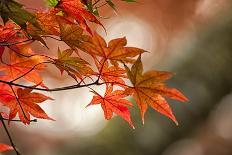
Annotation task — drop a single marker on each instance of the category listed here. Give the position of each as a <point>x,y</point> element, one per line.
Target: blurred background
<point>192,38</point>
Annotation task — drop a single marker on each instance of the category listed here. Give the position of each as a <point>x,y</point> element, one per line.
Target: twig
<point>9,136</point>
<point>15,43</point>
<point>21,76</point>
<point>17,120</point>
<point>60,88</point>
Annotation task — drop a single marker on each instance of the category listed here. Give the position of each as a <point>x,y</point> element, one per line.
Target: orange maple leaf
<point>4,147</point>
<point>72,35</point>
<point>149,89</point>
<point>76,67</point>
<point>15,38</point>
<point>20,66</point>
<point>77,10</point>
<point>113,102</point>
<point>6,95</point>
<point>26,104</point>
<point>111,74</point>
<point>115,51</point>
<point>48,21</point>
<point>8,31</point>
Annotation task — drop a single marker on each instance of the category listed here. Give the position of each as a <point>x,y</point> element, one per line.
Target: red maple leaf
<point>25,104</point>
<point>28,68</point>
<point>113,102</point>
<point>77,10</point>
<point>149,89</point>
<point>111,74</point>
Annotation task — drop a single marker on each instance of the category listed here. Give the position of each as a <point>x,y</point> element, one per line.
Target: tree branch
<point>60,88</point>
<point>15,43</point>
<point>9,136</point>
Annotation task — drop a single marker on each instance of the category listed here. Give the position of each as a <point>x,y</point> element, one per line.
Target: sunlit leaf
<point>26,105</point>
<point>149,89</point>
<point>113,102</point>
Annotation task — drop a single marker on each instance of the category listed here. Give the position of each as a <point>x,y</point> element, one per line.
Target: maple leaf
<point>29,103</point>
<point>4,147</point>
<point>20,66</point>
<point>111,74</point>
<point>77,10</point>
<point>74,66</point>
<point>7,30</point>
<point>6,96</point>
<point>115,51</point>
<point>149,89</point>
<point>12,35</point>
<point>48,24</point>
<point>13,10</point>
<point>72,35</point>
<point>113,102</point>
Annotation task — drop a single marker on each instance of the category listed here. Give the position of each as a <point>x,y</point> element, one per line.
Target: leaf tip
<point>49,118</point>
<point>143,122</point>
<point>133,127</point>
<point>176,122</point>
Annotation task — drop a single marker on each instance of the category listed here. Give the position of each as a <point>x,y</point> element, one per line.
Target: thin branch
<point>97,7</point>
<point>28,56</point>
<point>95,2</point>
<point>21,76</point>
<point>9,136</point>
<point>20,54</point>
<point>100,71</point>
<point>17,120</point>
<point>48,36</point>
<point>49,90</point>
<point>61,88</point>
<point>15,43</point>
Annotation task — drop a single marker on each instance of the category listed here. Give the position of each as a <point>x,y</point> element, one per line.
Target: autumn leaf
<point>28,68</point>
<point>111,74</point>
<point>11,33</point>
<point>77,10</point>
<point>74,66</point>
<point>48,21</point>
<point>29,103</point>
<point>4,147</point>
<point>6,31</point>
<point>72,35</point>
<point>113,102</point>
<point>115,51</point>
<point>12,36</point>
<point>149,89</point>
<point>13,10</point>
<point>6,96</point>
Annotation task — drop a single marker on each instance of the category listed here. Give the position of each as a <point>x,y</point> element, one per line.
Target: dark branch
<point>15,43</point>
<point>17,120</point>
<point>8,134</point>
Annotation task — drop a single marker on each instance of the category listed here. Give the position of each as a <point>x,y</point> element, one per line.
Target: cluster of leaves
<point>113,64</point>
